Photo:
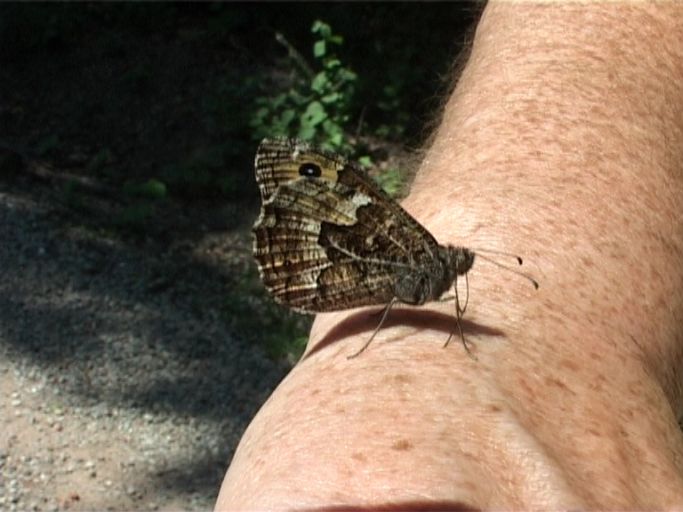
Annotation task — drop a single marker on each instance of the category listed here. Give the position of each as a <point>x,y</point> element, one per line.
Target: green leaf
<point>306,132</point>
<point>337,139</point>
<point>331,63</point>
<point>334,134</point>
<point>319,82</point>
<point>391,181</point>
<point>316,26</point>
<point>315,114</point>
<point>330,98</point>
<point>365,161</point>
<point>287,117</point>
<point>320,48</point>
<point>322,28</point>
<point>346,75</point>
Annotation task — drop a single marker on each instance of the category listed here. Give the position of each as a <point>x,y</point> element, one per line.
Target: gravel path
<point>122,385</point>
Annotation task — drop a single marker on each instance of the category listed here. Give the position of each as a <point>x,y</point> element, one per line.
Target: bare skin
<point>563,141</point>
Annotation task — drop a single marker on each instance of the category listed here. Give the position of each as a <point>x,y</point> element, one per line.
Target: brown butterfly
<point>328,238</point>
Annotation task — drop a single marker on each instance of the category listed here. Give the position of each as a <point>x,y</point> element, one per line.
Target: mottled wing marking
<point>296,268</point>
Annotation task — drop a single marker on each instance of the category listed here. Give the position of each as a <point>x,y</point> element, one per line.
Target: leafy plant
<point>317,104</point>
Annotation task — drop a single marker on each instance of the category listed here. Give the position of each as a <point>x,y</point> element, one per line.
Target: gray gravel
<point>122,385</point>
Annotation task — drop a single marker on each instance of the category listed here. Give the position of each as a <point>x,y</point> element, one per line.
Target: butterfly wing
<point>326,245</point>
<point>281,160</point>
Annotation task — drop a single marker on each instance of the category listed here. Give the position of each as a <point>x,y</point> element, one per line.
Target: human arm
<point>563,141</point>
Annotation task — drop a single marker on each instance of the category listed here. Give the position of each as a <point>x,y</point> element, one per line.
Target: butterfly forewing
<point>283,160</point>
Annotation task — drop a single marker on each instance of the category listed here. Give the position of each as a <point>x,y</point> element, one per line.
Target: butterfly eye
<point>310,170</point>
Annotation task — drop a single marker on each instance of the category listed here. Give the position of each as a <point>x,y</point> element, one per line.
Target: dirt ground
<point>117,392</point>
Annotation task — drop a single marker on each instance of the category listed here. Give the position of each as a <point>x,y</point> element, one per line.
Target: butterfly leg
<point>379,326</point>
<point>459,312</point>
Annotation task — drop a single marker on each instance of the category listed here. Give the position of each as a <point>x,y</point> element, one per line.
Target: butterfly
<point>328,238</point>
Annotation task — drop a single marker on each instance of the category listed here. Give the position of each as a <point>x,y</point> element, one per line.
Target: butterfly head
<point>452,262</point>
<point>459,260</point>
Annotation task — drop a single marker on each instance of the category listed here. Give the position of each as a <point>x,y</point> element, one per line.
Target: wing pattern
<point>333,240</point>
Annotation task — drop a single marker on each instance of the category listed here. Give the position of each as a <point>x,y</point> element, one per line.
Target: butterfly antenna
<point>501,253</point>
<point>482,254</point>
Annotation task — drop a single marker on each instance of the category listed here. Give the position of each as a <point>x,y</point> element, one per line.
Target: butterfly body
<point>328,238</point>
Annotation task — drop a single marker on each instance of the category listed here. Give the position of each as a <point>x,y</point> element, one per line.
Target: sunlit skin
<point>563,142</point>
